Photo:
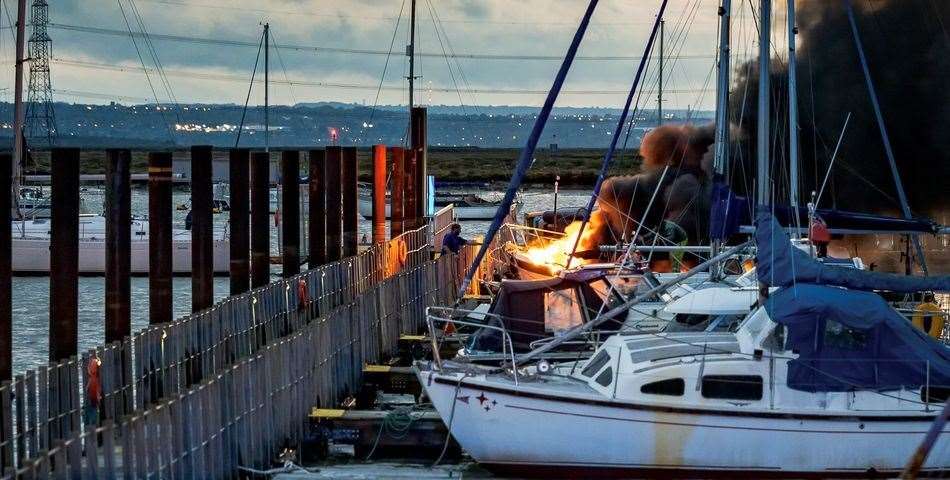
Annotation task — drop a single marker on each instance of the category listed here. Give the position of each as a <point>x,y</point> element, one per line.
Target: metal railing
<point>224,387</point>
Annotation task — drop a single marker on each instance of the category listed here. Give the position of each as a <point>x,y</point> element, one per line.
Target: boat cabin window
<point>594,365</point>
<point>732,387</point>
<point>700,322</point>
<point>605,377</point>
<point>671,386</point>
<point>562,310</point>
<point>843,337</point>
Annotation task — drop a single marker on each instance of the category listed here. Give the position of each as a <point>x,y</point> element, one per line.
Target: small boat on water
<point>31,247</point>
<point>468,206</point>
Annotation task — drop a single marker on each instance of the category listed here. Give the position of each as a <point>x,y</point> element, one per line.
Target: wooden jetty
<point>229,386</point>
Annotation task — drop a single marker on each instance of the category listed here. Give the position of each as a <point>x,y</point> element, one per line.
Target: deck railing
<point>228,386</point>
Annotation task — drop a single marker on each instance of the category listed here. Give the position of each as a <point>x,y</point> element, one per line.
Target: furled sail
<point>780,264</point>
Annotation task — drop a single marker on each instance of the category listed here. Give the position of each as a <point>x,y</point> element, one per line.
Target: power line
<point>351,86</point>
<point>363,18</point>
<point>352,51</point>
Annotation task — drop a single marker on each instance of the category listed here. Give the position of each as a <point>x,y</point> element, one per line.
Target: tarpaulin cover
<point>780,264</point>
<point>727,213</point>
<point>848,340</point>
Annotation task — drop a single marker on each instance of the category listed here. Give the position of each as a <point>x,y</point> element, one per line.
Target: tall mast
<point>18,110</point>
<point>721,159</point>
<point>411,52</point>
<point>762,145</point>
<point>659,96</point>
<point>266,87</point>
<point>792,110</point>
<point>721,156</point>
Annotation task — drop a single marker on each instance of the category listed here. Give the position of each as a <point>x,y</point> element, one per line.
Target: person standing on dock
<point>453,241</point>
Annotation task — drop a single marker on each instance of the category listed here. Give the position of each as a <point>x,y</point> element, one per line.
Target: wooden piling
<point>410,208</point>
<point>290,211</point>
<point>317,222</point>
<point>397,192</point>
<point>334,160</point>
<point>118,293</point>
<point>202,229</point>
<point>6,270</point>
<point>159,237</point>
<point>240,248</point>
<point>260,219</point>
<point>419,141</point>
<point>64,264</point>
<point>348,176</point>
<point>379,193</point>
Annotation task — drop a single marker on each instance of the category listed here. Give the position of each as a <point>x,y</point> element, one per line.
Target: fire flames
<point>553,254</point>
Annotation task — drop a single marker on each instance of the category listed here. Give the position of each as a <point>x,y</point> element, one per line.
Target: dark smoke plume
<point>908,50</point>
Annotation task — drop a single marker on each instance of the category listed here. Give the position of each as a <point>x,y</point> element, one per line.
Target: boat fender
<point>937,320</point>
<point>303,296</point>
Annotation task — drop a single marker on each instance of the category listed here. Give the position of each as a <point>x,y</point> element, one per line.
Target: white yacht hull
<point>31,256</point>
<point>525,430</point>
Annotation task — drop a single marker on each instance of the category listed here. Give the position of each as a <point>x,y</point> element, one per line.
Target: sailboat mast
<point>792,110</point>
<point>18,109</point>
<point>721,159</point>
<point>721,155</point>
<point>659,95</point>
<point>762,144</point>
<point>266,87</point>
<point>411,51</point>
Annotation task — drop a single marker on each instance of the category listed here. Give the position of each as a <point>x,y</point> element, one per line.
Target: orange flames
<point>553,254</point>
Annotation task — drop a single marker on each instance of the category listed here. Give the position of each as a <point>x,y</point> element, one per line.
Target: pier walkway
<point>227,387</point>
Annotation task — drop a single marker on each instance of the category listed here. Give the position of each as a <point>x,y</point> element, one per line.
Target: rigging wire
<point>283,67</point>
<point>382,77</point>
<point>448,65</point>
<point>352,51</point>
<point>148,78</point>
<point>250,86</point>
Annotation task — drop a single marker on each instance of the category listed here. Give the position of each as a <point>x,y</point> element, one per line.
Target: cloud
<point>494,27</point>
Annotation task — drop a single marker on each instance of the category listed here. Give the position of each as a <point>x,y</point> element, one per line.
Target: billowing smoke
<point>908,50</point>
<point>682,198</point>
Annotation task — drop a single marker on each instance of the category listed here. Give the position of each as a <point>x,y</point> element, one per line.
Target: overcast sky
<point>95,62</point>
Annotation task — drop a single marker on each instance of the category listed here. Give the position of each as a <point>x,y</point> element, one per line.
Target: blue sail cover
<point>849,340</point>
<point>729,211</point>
<point>780,264</point>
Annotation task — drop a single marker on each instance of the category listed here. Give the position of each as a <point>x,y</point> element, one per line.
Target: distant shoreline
<point>576,167</point>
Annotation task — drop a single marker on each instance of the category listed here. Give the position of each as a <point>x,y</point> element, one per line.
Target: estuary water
<point>31,294</point>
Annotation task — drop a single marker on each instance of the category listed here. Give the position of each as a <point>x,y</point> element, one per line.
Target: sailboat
<point>822,378</point>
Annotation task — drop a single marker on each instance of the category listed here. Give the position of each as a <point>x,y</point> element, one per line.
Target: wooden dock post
<point>64,265</point>
<point>379,193</point>
<point>6,268</point>
<point>290,211</point>
<point>240,248</point>
<point>348,177</point>
<point>118,313</point>
<point>160,237</point>
<point>202,229</point>
<point>317,222</point>
<point>260,219</point>
<point>334,160</point>
<point>418,125</point>
<point>410,208</point>
<point>398,192</point>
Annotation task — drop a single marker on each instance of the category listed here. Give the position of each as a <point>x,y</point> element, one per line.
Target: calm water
<point>31,294</point>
